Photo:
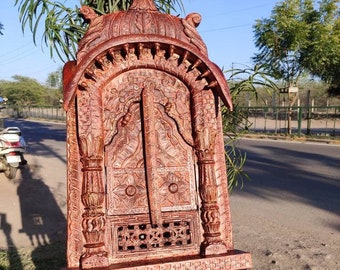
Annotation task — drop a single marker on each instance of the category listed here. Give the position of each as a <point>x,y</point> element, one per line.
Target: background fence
<point>312,120</point>
<point>46,113</point>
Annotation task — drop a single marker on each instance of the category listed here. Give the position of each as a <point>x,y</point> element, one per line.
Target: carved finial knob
<point>194,19</point>
<point>88,13</point>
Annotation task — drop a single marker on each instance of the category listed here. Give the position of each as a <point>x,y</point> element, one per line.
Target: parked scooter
<point>12,149</point>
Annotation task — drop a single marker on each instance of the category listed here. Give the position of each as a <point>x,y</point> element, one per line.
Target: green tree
<point>321,56</point>
<point>23,92</point>
<point>299,37</point>
<point>55,87</point>
<point>54,79</point>
<point>280,40</point>
<point>64,26</point>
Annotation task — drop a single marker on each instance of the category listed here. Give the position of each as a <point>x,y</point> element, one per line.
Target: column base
<point>94,261</point>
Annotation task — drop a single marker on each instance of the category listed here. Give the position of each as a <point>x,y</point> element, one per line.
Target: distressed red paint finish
<point>147,185</point>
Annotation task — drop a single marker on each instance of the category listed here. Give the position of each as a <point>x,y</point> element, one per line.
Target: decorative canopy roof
<point>143,23</point>
<point>142,18</point>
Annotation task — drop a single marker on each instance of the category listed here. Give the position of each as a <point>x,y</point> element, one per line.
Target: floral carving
<point>129,195</point>
<point>174,190</point>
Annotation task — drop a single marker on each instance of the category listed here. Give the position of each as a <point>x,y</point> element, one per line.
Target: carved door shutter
<point>150,160</point>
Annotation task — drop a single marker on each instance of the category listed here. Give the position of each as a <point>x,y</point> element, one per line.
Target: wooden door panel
<point>149,161</point>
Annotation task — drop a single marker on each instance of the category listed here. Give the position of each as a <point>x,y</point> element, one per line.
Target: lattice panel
<point>145,237</point>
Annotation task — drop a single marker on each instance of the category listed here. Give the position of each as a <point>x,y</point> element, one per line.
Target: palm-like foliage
<point>64,26</point>
<point>235,166</point>
<point>242,80</point>
<point>1,28</point>
<point>248,79</point>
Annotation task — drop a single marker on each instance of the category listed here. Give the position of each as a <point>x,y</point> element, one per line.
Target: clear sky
<point>226,28</point>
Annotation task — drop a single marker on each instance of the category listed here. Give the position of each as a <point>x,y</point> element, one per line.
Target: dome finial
<point>143,5</point>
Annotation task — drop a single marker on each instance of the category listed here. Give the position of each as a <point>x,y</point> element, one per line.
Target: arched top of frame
<point>144,19</point>
<point>143,37</point>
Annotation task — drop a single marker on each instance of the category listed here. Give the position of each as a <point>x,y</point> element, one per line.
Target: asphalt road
<point>288,215</point>
<point>303,172</point>
<point>294,185</point>
<point>33,205</point>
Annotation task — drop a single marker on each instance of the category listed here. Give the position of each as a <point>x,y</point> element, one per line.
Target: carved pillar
<point>91,141</point>
<point>205,135</point>
<point>210,216</point>
<point>94,221</point>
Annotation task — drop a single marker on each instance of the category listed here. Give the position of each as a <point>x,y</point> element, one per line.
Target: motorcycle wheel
<point>11,172</point>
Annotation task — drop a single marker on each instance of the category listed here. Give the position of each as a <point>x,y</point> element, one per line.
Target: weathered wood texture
<point>147,185</point>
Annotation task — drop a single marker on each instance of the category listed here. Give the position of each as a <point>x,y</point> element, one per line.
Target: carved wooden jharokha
<point>147,185</point>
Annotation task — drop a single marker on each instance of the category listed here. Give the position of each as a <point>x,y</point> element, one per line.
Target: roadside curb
<point>288,138</point>
<point>41,120</point>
